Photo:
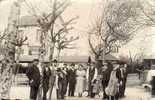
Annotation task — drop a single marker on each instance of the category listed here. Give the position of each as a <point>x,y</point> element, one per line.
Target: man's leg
<point>89,88</point>
<point>63,89</point>
<point>73,89</point>
<point>59,90</point>
<point>120,91</point>
<point>58,94</point>
<point>66,82</point>
<point>92,95</point>
<point>104,94</point>
<point>51,87</point>
<point>45,90</point>
<point>69,90</point>
<point>124,87</point>
<point>36,92</point>
<point>32,93</point>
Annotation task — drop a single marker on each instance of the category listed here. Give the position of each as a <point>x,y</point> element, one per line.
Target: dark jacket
<point>46,75</point>
<point>46,79</point>
<point>118,74</point>
<point>33,74</point>
<point>72,76</point>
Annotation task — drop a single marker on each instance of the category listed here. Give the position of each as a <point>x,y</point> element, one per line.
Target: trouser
<point>34,92</point>
<point>71,89</point>
<point>122,88</point>
<point>66,85</point>
<point>124,84</point>
<point>61,90</point>
<point>51,87</point>
<point>45,90</point>
<point>92,95</point>
<point>104,85</point>
<point>116,97</point>
<point>90,90</point>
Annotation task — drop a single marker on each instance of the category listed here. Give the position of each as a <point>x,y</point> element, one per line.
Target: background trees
<point>53,26</point>
<point>55,31</point>
<point>116,25</point>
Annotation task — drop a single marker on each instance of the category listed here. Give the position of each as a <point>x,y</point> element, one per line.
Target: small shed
<point>149,62</point>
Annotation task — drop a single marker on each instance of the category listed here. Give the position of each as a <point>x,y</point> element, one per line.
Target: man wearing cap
<point>53,67</point>
<point>91,77</point>
<point>72,80</point>
<point>66,69</point>
<point>46,78</point>
<point>105,79</point>
<point>60,81</point>
<point>33,74</point>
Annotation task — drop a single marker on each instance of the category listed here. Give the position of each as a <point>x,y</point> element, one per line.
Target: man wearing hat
<point>105,79</point>
<point>60,83</point>
<point>91,77</point>
<point>46,79</point>
<point>53,67</point>
<point>33,74</point>
<point>72,80</point>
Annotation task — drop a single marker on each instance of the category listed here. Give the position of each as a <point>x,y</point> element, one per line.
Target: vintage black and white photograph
<point>77,49</point>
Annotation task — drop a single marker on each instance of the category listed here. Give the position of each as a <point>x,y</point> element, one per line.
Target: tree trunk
<point>12,30</point>
<point>52,52</point>
<point>58,55</point>
<point>98,64</point>
<point>51,59</point>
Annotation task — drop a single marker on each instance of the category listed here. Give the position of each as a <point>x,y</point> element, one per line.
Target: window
<point>115,49</point>
<point>34,50</point>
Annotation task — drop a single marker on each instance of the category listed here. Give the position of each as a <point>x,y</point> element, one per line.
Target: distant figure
<point>61,83</point>
<point>33,74</point>
<point>81,73</point>
<point>46,79</point>
<point>140,70</point>
<point>91,77</point>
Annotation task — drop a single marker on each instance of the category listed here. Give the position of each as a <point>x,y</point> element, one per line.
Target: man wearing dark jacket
<point>91,77</point>
<point>105,79</point>
<point>46,78</point>
<point>33,74</point>
<point>72,80</point>
<point>124,74</point>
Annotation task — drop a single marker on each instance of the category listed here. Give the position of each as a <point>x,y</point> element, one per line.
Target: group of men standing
<point>51,75</point>
<point>64,77</point>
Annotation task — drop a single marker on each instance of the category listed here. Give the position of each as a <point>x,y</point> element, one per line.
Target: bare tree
<point>57,37</point>
<point>64,41</point>
<point>9,36</point>
<point>116,25</point>
<point>51,34</point>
